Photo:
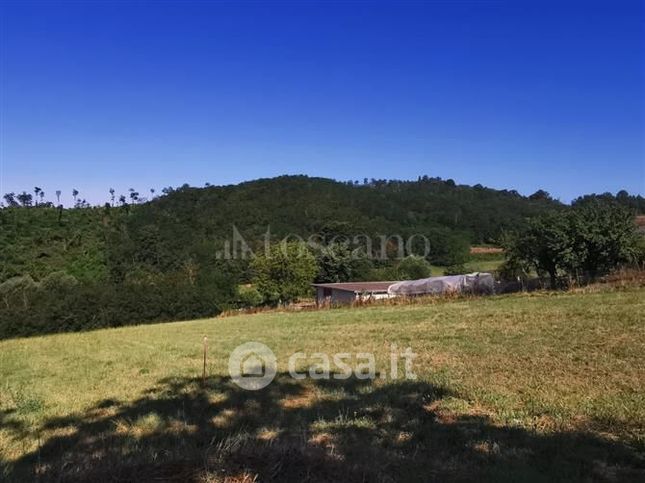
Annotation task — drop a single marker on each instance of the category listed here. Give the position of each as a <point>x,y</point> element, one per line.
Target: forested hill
<point>186,223</point>
<point>304,205</point>
<point>134,261</point>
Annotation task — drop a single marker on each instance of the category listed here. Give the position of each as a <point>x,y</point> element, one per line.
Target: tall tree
<point>544,246</point>
<point>10,198</point>
<point>134,195</point>
<point>25,198</point>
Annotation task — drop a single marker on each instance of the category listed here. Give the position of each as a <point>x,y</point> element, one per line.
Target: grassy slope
<point>551,385</point>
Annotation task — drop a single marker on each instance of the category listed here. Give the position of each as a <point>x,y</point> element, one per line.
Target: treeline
<point>186,253</point>
<point>38,240</point>
<point>25,199</point>
<point>578,245</point>
<point>61,303</point>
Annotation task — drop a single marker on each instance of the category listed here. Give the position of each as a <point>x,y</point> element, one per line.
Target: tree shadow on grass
<point>308,430</point>
<point>9,423</point>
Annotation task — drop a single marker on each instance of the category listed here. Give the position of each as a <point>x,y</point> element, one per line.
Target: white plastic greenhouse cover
<point>468,283</point>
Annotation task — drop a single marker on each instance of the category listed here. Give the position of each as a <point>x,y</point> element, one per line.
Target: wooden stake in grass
<point>205,350</point>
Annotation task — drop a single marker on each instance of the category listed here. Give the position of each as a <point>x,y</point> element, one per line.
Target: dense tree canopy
<point>285,273</point>
<point>587,241</point>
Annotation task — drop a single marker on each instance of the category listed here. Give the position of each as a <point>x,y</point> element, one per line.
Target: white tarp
<point>469,283</point>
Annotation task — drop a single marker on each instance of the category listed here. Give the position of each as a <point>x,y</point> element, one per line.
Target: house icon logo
<point>252,366</point>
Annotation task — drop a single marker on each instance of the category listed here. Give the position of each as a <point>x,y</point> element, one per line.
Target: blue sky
<point>510,94</point>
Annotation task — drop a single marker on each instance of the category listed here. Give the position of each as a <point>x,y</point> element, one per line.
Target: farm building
<point>348,293</point>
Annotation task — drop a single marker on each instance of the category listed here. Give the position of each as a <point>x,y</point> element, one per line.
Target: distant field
<point>518,387</point>
<point>485,249</point>
<point>483,259</point>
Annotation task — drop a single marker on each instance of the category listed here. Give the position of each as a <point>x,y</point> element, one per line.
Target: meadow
<point>540,387</point>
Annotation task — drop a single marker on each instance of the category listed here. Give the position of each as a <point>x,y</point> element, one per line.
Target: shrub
<point>249,297</point>
<point>458,269</point>
<point>414,268</point>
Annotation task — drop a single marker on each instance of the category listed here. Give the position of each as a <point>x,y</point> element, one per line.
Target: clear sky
<point>510,94</point>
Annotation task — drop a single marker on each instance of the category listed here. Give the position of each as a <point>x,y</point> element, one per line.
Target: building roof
<point>357,287</point>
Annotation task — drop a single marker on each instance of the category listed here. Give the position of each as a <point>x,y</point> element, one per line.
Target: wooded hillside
<point>134,261</point>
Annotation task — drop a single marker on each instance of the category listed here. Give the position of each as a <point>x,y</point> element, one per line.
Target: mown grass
<point>537,386</point>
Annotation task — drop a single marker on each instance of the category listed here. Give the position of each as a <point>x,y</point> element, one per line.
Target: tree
<point>414,267</point>
<point>112,196</point>
<point>10,198</point>
<point>134,195</point>
<point>622,196</point>
<point>285,273</point>
<point>25,198</point>
<point>74,195</point>
<point>338,263</point>
<point>334,264</point>
<point>447,247</point>
<point>37,191</point>
<point>58,193</point>
<point>544,246</point>
<point>604,236</point>
<point>590,240</point>
<point>541,195</point>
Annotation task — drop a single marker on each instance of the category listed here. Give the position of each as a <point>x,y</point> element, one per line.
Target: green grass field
<point>533,387</point>
<point>477,262</point>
